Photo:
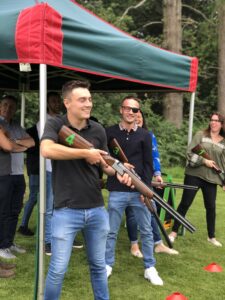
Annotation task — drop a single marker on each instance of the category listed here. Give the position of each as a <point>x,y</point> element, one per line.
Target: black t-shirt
<point>137,146</point>
<point>32,160</point>
<point>75,182</point>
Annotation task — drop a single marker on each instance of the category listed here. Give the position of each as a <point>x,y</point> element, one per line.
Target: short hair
<point>10,97</point>
<point>129,97</point>
<point>50,94</point>
<point>74,84</point>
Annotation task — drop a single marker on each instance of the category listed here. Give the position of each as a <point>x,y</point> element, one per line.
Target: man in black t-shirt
<point>78,202</point>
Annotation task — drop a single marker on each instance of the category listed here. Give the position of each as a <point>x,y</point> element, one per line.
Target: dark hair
<point>144,122</point>
<point>74,84</point>
<point>129,97</point>
<point>221,119</point>
<point>93,119</point>
<point>50,94</point>
<point>10,97</point>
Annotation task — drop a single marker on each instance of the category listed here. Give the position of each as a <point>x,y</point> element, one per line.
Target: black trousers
<point>209,191</point>
<point>18,187</point>
<point>5,187</point>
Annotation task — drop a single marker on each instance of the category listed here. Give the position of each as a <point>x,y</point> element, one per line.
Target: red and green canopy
<point>73,42</point>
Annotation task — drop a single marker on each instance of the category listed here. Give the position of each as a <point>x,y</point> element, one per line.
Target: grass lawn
<point>183,273</point>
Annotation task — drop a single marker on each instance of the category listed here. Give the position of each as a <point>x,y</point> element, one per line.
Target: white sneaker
<point>17,249</point>
<point>214,242</point>
<point>108,271</point>
<point>152,275</point>
<point>6,253</point>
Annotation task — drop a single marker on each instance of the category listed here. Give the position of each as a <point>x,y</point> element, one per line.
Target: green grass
<point>183,273</point>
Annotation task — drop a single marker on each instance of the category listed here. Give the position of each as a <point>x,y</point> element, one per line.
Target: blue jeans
<point>118,201</point>
<point>32,200</point>
<point>66,222</point>
<point>132,230</point>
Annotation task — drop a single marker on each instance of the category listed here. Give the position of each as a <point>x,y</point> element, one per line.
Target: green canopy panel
<point>75,43</point>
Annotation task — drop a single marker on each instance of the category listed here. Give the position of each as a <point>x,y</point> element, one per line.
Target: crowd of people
<point>74,201</point>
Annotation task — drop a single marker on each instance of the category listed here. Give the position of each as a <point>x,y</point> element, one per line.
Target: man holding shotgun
<point>78,202</point>
<point>137,146</point>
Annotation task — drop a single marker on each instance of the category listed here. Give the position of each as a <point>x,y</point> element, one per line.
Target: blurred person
<point>200,172</point>
<point>54,105</point>
<point>17,189</point>
<point>6,270</point>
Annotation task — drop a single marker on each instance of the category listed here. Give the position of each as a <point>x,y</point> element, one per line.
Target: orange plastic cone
<point>213,267</point>
<point>176,296</point>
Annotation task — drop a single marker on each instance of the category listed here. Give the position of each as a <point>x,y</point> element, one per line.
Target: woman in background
<point>201,172</point>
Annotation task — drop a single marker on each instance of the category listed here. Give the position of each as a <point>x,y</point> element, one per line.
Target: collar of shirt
<point>88,124</point>
<point>135,127</point>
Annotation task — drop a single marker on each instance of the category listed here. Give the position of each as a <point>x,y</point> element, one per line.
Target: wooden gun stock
<point>199,150</point>
<point>70,138</point>
<point>117,150</point>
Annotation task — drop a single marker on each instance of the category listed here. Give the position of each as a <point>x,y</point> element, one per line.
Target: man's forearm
<point>26,142</point>
<point>16,148</point>
<point>55,151</point>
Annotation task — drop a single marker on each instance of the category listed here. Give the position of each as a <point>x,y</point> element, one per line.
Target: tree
<point>221,57</point>
<point>173,102</point>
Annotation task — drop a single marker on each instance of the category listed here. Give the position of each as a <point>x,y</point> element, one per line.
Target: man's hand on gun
<point>94,156</point>
<point>126,179</point>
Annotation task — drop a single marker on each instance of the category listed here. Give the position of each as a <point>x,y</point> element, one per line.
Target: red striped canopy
<point>75,43</point>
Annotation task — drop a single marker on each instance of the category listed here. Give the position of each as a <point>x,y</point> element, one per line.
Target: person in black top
<point>137,146</point>
<point>6,270</point>
<point>78,202</point>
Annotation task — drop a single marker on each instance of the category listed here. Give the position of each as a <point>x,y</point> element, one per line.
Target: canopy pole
<point>191,117</point>
<point>43,109</point>
<point>22,115</point>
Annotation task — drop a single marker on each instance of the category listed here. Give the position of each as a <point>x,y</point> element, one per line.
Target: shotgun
<point>72,139</point>
<point>173,185</point>
<point>199,150</point>
<point>117,150</point>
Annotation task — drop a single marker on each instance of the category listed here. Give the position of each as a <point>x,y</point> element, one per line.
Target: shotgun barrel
<point>173,185</point>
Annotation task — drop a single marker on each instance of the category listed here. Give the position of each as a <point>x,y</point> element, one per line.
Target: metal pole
<point>22,115</point>
<point>190,129</point>
<point>43,107</point>
<point>191,117</point>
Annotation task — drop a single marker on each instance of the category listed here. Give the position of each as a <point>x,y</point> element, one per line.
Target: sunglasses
<point>214,120</point>
<point>128,109</point>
